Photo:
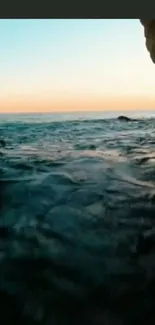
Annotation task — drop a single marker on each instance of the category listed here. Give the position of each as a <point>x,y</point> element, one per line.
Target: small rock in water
<point>92,147</point>
<point>124,118</point>
<point>2,143</point>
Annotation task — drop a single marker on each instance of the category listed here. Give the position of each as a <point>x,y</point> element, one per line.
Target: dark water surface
<point>77,220</point>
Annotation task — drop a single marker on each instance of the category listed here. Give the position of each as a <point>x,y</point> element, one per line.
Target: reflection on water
<point>77,220</point>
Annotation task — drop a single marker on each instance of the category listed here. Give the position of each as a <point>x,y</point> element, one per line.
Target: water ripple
<point>77,203</point>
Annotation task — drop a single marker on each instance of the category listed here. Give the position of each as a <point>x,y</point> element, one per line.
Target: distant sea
<point>77,219</point>
<point>49,117</point>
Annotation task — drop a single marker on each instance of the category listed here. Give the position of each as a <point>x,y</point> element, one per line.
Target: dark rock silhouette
<point>2,143</point>
<point>123,118</point>
<point>149,33</point>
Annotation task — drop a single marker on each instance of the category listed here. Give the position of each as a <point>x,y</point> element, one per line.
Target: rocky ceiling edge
<point>149,32</point>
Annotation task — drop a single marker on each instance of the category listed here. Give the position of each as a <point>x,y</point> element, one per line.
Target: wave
<point>77,202</point>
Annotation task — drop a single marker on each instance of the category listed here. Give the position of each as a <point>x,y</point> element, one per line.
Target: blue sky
<point>65,60</point>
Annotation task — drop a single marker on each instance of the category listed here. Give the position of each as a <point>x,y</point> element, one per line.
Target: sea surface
<point>77,219</point>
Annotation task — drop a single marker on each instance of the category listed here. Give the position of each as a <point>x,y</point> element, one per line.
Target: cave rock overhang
<point>149,32</point>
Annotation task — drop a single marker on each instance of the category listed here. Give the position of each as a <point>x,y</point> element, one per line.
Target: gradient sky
<point>74,64</point>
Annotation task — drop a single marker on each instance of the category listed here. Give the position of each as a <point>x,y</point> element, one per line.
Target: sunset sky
<point>74,64</point>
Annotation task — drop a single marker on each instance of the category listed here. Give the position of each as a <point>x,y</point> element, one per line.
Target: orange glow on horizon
<point>71,104</point>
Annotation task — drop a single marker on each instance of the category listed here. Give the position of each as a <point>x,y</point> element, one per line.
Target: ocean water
<point>77,219</point>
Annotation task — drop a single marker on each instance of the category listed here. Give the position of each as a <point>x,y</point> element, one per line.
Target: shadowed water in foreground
<point>77,220</point>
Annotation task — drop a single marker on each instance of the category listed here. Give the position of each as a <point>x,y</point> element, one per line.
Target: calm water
<point>77,219</point>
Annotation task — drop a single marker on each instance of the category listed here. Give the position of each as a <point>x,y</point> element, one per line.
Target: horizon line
<point>78,111</point>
